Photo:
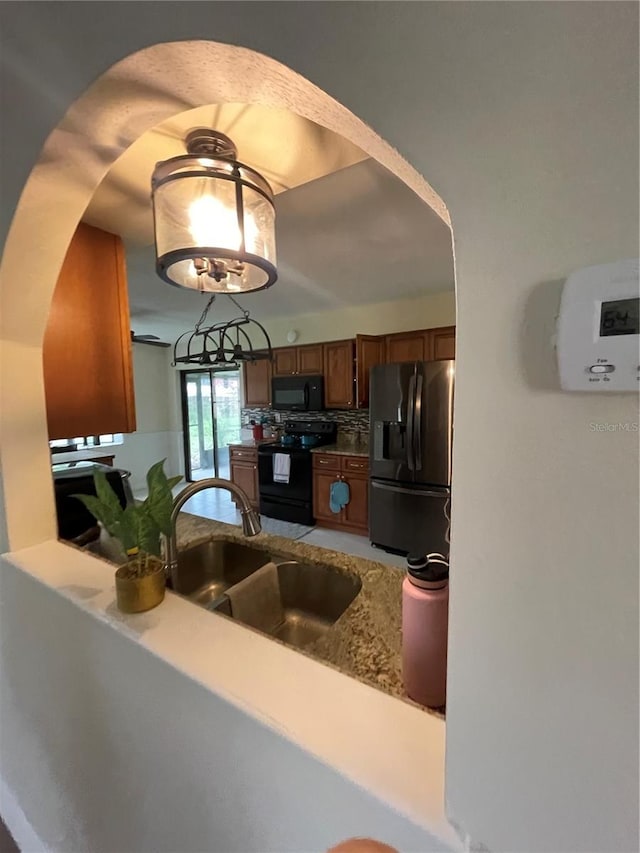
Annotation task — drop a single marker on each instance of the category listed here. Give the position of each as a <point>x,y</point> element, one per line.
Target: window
<point>87,441</point>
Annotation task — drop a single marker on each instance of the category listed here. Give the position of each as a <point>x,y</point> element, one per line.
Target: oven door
<point>299,486</point>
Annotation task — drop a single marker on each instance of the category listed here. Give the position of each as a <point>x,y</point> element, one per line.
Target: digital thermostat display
<point>620,317</point>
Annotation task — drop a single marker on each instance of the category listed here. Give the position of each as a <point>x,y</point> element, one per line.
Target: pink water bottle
<point>425,617</point>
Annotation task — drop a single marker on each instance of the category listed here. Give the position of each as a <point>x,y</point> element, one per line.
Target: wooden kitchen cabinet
<point>369,352</point>
<point>407,346</point>
<point>354,470</point>
<point>339,379</point>
<point>257,383</point>
<point>285,361</point>
<point>442,343</point>
<point>244,471</point>
<point>88,374</point>
<point>310,360</point>
<point>290,361</point>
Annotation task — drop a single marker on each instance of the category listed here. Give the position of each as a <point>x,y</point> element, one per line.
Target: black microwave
<point>297,393</point>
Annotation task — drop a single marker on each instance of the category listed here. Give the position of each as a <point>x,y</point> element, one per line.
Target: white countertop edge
<point>385,746</point>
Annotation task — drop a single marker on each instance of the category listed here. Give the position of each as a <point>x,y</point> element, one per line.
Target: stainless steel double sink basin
<point>311,597</point>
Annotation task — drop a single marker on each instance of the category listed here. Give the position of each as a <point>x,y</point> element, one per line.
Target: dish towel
<point>281,467</point>
<point>339,495</point>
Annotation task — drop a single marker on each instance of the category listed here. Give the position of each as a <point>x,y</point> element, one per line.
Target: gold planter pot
<point>137,594</point>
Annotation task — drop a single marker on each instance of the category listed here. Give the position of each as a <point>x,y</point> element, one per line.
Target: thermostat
<point>598,340</point>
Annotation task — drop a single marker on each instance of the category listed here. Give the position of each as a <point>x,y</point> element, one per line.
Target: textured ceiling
<point>348,231</point>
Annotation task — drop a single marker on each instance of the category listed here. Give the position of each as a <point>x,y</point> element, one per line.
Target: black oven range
<point>285,473</point>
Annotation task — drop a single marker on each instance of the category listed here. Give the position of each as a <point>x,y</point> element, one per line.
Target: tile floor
<point>218,506</point>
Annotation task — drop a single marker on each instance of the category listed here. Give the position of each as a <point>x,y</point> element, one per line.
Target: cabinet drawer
<point>326,462</point>
<point>247,454</point>
<point>356,464</point>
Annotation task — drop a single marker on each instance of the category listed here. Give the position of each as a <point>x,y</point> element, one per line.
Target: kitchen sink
<point>310,599</point>
<point>207,569</point>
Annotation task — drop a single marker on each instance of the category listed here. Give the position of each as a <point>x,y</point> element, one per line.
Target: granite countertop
<point>345,447</point>
<point>251,442</point>
<point>365,642</point>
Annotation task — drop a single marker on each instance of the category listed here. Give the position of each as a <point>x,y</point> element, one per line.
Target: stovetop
<point>322,432</point>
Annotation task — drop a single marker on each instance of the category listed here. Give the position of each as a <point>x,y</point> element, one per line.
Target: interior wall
<point>525,117</point>
<point>154,437</point>
<point>428,311</point>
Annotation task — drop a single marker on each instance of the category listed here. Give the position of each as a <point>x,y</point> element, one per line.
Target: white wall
<point>380,318</point>
<point>524,116</point>
<point>155,435</point>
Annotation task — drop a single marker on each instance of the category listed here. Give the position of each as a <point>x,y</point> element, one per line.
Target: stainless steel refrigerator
<point>411,423</point>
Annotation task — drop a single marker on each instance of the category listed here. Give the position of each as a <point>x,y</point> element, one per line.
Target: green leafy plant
<point>138,528</point>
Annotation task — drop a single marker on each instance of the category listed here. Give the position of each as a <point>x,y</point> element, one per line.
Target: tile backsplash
<point>349,423</point>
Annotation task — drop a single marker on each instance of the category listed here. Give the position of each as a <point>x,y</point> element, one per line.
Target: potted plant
<point>140,582</point>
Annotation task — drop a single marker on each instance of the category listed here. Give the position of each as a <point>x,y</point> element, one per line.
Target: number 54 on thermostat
<point>598,340</point>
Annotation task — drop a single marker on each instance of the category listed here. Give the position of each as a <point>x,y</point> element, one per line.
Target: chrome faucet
<point>250,519</point>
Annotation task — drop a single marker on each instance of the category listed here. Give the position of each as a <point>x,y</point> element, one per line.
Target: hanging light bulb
<point>214,219</point>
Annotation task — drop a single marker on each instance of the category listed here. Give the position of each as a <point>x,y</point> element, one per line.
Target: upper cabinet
<point>289,361</point>
<point>370,350</point>
<point>88,374</point>
<point>339,375</point>
<point>257,383</point>
<point>443,343</point>
<point>406,346</point>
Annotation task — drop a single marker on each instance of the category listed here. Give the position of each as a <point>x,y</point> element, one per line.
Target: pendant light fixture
<point>214,219</point>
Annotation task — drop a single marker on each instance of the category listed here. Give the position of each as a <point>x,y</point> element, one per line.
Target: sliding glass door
<point>211,421</point>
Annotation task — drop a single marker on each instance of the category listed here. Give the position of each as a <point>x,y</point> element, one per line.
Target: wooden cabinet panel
<point>322,482</point>
<point>285,361</point>
<point>406,346</point>
<point>332,468</point>
<point>338,374</point>
<point>310,360</point>
<point>257,383</point>
<point>245,475</point>
<point>356,512</point>
<point>326,462</point>
<point>443,343</point>
<point>369,352</point>
<point>87,364</point>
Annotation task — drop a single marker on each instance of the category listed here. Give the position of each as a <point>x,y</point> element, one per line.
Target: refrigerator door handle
<point>423,493</point>
<point>411,407</point>
<point>417,425</point>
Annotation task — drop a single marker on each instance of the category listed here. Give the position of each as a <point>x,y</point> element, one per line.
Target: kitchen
<point>507,110</point>
<point>340,367</point>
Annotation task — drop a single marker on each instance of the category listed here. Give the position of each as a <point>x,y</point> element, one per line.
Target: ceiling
<point>348,231</point>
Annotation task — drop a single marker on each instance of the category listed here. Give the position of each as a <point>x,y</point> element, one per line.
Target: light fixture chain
<point>203,316</point>
<point>244,311</point>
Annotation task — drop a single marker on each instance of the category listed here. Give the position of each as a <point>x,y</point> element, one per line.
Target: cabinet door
<point>257,383</point>
<point>369,352</point>
<point>408,346</point>
<point>310,360</point>
<point>443,343</point>
<point>356,512</point>
<point>322,482</point>
<point>245,475</point>
<point>285,361</point>
<point>338,375</point>
<point>88,374</point>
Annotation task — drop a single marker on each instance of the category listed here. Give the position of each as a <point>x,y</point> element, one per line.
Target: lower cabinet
<point>354,471</point>
<point>244,471</point>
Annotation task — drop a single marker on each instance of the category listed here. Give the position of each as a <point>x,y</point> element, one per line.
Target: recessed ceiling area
<point>348,231</point>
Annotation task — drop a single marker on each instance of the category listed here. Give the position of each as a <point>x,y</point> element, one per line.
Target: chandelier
<point>214,219</point>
